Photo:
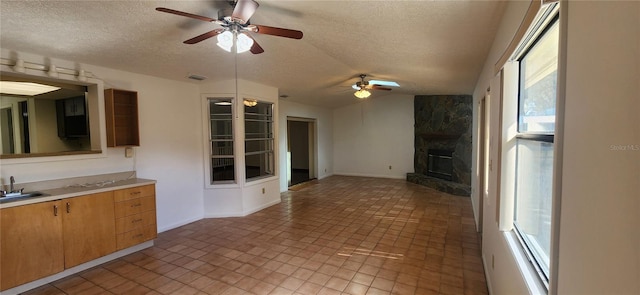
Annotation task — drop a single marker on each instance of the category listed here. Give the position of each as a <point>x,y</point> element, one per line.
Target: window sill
<point>259,180</point>
<point>528,272</point>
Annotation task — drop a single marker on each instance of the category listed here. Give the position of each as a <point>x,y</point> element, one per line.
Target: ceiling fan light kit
<point>228,40</point>
<point>362,87</point>
<point>362,94</point>
<point>235,28</point>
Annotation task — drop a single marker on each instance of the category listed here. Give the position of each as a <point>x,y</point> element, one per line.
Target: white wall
<point>170,150</point>
<point>324,137</point>
<point>599,234</point>
<point>373,134</point>
<point>503,274</point>
<point>240,198</point>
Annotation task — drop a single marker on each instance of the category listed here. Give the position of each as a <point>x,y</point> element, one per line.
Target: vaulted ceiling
<point>428,47</point>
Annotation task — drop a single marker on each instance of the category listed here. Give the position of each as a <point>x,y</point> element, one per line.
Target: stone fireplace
<point>440,164</point>
<point>442,158</point>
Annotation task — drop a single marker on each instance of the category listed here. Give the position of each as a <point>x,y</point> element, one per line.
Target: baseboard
<point>263,206</point>
<point>178,224</point>
<point>371,175</point>
<point>486,274</point>
<point>325,176</point>
<point>243,213</point>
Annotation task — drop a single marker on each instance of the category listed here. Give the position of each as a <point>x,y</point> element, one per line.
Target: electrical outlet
<point>263,190</point>
<point>128,152</point>
<point>389,167</point>
<point>325,170</point>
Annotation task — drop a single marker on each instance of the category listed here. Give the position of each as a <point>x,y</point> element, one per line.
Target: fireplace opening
<point>440,164</point>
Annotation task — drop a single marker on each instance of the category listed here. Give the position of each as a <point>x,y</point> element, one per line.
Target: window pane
<point>253,146</point>
<point>533,197</point>
<point>222,169</point>
<point>258,165</point>
<point>258,127</point>
<point>221,129</point>
<point>538,80</point>
<point>222,148</point>
<point>221,138</point>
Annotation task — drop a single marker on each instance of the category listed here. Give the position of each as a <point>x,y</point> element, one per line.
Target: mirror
<point>44,117</point>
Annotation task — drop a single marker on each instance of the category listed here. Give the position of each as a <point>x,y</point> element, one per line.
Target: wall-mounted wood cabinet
<point>121,110</point>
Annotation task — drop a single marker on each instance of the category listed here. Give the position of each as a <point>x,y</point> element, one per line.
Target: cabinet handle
<point>135,193</point>
<point>138,236</point>
<point>136,205</point>
<point>68,207</point>
<point>55,210</point>
<point>136,220</point>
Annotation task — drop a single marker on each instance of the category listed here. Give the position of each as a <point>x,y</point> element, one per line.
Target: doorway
<point>301,150</point>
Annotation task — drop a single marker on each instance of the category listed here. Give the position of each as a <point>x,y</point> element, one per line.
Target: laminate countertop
<point>74,191</point>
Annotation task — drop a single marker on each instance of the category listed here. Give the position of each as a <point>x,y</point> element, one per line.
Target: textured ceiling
<point>428,47</point>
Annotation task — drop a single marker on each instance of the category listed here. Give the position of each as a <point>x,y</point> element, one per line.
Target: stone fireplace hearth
<point>442,158</point>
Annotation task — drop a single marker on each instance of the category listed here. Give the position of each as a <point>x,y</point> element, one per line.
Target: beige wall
<point>373,134</point>
<point>598,243</point>
<point>599,236</point>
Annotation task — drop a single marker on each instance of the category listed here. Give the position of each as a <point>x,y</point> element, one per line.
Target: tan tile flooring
<point>341,235</point>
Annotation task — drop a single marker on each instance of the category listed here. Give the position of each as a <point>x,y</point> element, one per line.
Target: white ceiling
<point>428,47</point>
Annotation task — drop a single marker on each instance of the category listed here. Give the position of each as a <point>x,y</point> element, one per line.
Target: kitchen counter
<point>76,190</point>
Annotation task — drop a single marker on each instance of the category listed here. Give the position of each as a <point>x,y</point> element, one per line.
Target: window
<point>534,146</point>
<point>221,140</point>
<point>259,140</point>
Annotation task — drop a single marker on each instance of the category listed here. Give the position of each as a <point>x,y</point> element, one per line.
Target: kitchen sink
<point>20,196</point>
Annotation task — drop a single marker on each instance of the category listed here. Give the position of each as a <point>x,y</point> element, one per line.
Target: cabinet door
<point>30,243</point>
<point>89,228</point>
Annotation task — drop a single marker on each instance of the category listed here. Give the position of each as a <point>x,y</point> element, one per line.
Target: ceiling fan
<point>235,27</point>
<point>362,87</point>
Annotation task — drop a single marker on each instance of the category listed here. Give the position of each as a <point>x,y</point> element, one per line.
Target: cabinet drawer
<point>132,222</point>
<point>134,193</point>
<point>136,236</point>
<point>135,206</point>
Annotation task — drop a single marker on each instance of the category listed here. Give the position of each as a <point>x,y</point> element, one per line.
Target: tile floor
<point>341,235</point>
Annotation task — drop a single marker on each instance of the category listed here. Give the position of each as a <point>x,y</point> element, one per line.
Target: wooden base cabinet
<point>135,215</point>
<point>31,244</point>
<point>42,239</point>
<point>88,228</point>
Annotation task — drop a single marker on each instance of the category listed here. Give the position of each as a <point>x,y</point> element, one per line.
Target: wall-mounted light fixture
<point>53,71</point>
<point>82,76</point>
<point>19,66</point>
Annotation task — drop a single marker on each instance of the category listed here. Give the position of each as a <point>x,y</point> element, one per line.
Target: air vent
<point>197,77</point>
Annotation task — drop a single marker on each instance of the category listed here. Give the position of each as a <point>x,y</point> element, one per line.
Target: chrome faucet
<point>11,182</point>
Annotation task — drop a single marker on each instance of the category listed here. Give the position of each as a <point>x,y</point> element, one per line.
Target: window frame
<point>270,151</point>
<point>211,141</point>
<point>550,18</point>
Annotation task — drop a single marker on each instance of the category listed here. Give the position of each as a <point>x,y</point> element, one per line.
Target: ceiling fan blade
<point>278,32</point>
<point>256,48</point>
<point>378,87</point>
<point>204,36</point>
<point>176,12</point>
<point>244,10</point>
